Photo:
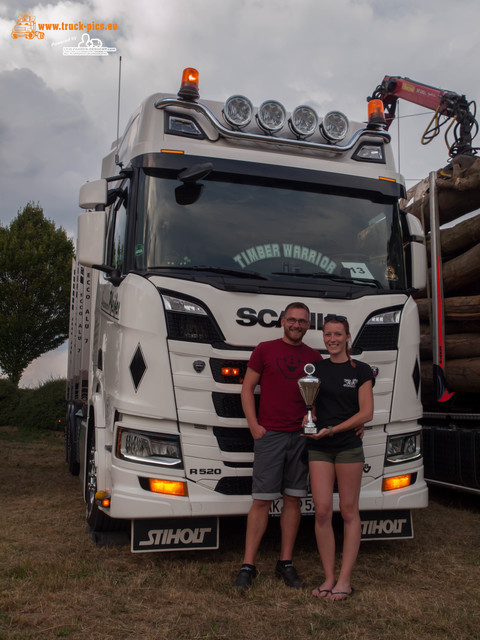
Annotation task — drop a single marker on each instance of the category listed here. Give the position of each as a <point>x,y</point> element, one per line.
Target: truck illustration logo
<point>26,27</point>
<point>88,46</point>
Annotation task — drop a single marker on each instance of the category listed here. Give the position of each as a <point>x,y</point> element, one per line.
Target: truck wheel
<point>96,519</point>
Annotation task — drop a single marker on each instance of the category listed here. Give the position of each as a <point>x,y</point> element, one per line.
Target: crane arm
<point>446,104</point>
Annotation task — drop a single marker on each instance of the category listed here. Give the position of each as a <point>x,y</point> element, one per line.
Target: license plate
<point>306,506</point>
<point>376,525</point>
<point>174,534</point>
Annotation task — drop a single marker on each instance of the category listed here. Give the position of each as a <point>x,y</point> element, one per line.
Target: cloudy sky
<point>58,115</point>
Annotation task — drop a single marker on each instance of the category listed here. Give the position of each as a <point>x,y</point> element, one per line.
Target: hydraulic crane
<point>449,107</point>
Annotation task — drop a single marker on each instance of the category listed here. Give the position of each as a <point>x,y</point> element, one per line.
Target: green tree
<point>35,267</point>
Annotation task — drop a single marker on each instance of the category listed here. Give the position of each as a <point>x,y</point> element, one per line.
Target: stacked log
<point>458,193</point>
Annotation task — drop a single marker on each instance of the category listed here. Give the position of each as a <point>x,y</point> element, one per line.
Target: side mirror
<point>415,228</point>
<point>91,237</point>
<point>417,253</point>
<point>418,261</point>
<point>93,194</point>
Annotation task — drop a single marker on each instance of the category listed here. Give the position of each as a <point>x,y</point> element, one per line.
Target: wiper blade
<point>243,273</point>
<point>332,276</point>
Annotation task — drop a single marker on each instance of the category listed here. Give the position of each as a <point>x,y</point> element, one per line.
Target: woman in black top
<point>344,402</point>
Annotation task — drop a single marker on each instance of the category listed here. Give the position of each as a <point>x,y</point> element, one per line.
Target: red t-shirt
<point>280,365</point>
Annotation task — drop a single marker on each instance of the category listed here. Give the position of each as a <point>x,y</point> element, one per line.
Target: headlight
<point>403,448</point>
<point>189,321</point>
<point>182,306</point>
<point>388,317</point>
<point>238,111</point>
<point>149,448</point>
<point>370,153</point>
<point>271,116</point>
<point>304,121</point>
<point>334,126</point>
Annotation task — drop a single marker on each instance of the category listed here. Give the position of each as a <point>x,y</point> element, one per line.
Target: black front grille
<point>378,338</point>
<point>229,405</point>
<point>235,486</point>
<point>233,440</point>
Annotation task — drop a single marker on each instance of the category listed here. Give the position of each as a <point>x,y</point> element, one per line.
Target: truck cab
<point>207,221</point>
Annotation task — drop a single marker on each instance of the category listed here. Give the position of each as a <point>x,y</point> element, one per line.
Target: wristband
<point>330,429</point>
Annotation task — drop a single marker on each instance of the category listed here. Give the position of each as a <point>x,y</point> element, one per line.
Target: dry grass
<point>55,583</point>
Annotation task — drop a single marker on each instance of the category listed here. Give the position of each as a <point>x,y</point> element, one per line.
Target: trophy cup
<point>309,386</point>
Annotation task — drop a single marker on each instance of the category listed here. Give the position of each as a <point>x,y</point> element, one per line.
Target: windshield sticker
<point>294,251</point>
<point>358,270</point>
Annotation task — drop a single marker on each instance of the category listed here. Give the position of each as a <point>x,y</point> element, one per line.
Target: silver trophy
<point>309,386</point>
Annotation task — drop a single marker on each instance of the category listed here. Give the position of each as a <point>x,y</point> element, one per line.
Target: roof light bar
<point>334,126</point>
<point>304,121</point>
<point>238,111</point>
<point>271,116</point>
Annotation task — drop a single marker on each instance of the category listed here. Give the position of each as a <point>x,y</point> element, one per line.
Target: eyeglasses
<point>333,316</point>
<point>301,321</point>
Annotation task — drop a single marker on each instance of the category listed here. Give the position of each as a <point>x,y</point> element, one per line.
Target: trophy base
<point>310,430</point>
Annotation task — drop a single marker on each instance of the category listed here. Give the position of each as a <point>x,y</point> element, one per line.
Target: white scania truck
<point>207,221</point>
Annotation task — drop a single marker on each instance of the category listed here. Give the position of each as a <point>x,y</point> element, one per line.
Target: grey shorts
<point>279,466</point>
<point>337,457</point>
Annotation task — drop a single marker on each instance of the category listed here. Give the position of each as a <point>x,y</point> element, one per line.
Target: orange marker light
<point>230,371</point>
<point>397,482</point>
<point>376,113</point>
<point>189,89</point>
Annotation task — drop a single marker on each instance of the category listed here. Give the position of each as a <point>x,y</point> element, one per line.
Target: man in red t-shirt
<point>280,465</point>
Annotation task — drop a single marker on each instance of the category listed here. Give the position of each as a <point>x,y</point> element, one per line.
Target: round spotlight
<point>304,121</point>
<point>238,111</point>
<point>271,116</point>
<point>335,126</point>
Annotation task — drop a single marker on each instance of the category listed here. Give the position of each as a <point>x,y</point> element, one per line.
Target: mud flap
<point>386,525</point>
<point>174,534</point>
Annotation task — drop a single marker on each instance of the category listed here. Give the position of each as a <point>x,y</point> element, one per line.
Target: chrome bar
<point>255,137</point>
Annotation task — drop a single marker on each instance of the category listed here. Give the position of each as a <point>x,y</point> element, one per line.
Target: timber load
<point>458,193</point>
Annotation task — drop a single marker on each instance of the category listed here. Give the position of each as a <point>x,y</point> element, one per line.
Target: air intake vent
<point>377,338</point>
<point>241,486</point>
<point>233,440</point>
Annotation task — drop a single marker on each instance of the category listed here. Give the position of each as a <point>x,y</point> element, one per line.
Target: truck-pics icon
<point>26,27</point>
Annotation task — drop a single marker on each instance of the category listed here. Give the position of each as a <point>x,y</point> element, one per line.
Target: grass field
<point>55,583</point>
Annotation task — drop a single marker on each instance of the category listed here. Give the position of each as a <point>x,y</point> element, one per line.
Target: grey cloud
<point>46,137</point>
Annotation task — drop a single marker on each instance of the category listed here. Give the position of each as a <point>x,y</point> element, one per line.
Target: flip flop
<point>320,591</point>
<point>341,593</point>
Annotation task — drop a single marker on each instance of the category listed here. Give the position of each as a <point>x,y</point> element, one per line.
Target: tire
<point>96,519</point>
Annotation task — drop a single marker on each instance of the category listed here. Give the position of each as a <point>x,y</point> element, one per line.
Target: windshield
<point>269,228</point>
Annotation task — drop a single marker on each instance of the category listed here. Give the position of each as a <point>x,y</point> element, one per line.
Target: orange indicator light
<point>397,482</point>
<point>169,487</point>
<point>230,371</point>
